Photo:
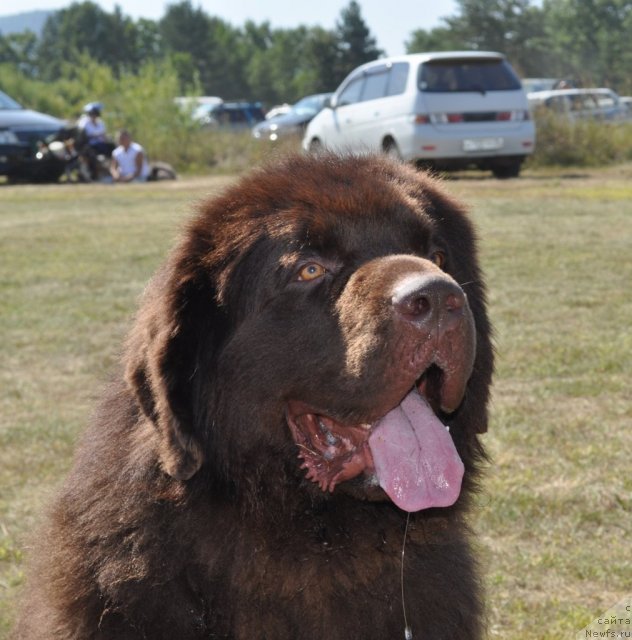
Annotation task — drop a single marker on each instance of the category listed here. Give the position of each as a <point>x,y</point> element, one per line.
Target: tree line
<point>586,41</point>
<point>255,61</point>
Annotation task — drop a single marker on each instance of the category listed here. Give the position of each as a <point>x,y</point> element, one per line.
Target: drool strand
<point>408,633</point>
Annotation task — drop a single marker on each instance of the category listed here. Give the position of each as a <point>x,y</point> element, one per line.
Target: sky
<point>390,21</point>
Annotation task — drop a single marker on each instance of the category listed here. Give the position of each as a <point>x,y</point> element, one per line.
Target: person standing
<point>129,162</point>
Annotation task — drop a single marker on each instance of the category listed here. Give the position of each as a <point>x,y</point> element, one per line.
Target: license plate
<point>483,144</point>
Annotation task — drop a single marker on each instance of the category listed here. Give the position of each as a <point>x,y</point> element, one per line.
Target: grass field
<point>555,519</point>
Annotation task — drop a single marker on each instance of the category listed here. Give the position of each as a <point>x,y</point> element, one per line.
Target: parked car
<point>234,116</point>
<point>191,103</point>
<point>450,109</point>
<point>581,104</point>
<point>294,120</point>
<point>278,110</point>
<point>21,132</point>
<point>539,84</point>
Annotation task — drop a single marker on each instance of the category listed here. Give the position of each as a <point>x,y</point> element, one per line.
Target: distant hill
<point>29,20</point>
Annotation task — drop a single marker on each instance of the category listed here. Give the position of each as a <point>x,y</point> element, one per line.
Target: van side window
<point>375,85</point>
<point>351,93</point>
<point>397,78</point>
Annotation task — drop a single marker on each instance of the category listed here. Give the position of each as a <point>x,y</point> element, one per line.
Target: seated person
<point>94,130</point>
<point>129,162</point>
<point>92,139</point>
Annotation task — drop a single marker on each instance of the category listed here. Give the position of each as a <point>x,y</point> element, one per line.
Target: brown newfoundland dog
<point>292,447</point>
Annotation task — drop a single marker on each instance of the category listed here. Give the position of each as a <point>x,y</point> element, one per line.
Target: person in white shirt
<point>129,162</point>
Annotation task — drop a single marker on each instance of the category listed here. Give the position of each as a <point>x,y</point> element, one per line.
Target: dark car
<point>294,121</point>
<point>234,116</point>
<point>21,131</point>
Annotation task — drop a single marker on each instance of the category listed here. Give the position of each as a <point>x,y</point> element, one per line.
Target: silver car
<point>581,104</point>
<point>292,121</point>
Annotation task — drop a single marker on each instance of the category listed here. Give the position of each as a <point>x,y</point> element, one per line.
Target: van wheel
<point>391,150</point>
<point>315,147</point>
<point>507,169</point>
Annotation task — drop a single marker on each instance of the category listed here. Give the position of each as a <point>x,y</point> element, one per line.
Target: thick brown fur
<point>186,514</point>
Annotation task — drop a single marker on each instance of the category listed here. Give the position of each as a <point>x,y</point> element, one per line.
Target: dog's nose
<point>429,299</point>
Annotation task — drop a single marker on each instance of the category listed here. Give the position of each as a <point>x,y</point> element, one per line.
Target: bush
<point>584,143</point>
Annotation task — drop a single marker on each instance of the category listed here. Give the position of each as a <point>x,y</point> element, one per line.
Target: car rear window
<point>454,75</point>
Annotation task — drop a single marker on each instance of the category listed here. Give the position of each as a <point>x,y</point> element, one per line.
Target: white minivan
<point>451,110</point>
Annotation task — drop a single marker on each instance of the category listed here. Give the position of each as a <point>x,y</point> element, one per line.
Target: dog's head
<point>325,313</point>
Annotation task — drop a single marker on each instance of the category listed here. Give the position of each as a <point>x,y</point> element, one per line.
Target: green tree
<point>277,72</point>
<point>227,61</point>
<point>284,65</point>
<point>319,62</point>
<point>85,28</point>
<point>149,46</point>
<point>591,41</point>
<point>513,27</point>
<point>212,46</point>
<point>437,39</point>
<point>20,49</point>
<point>356,45</point>
<point>185,34</point>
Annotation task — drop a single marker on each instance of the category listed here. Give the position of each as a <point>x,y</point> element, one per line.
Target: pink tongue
<point>415,459</point>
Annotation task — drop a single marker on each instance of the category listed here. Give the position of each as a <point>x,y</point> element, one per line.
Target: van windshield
<point>457,75</point>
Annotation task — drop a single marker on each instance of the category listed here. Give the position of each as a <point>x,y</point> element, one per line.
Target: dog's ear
<point>167,352</point>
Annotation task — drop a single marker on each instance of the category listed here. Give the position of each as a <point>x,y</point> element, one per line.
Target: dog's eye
<point>311,271</point>
<point>438,257</point>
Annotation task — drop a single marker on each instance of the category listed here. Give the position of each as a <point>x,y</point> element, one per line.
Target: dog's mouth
<point>407,451</point>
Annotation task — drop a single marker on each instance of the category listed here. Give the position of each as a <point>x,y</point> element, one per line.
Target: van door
<point>368,126</point>
<point>367,110</point>
<point>341,130</point>
<point>387,111</point>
